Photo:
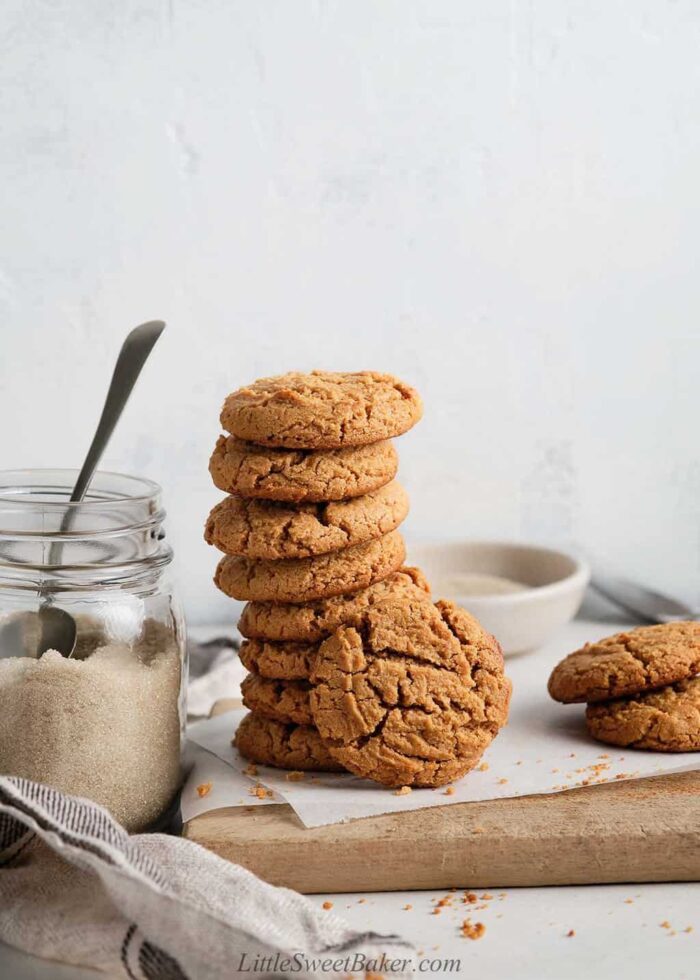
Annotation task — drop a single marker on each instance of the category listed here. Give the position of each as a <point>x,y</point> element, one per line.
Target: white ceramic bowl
<point>521,621</point>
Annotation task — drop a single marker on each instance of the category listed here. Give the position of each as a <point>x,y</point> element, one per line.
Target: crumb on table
<point>403,791</point>
<point>472,930</point>
<point>204,789</point>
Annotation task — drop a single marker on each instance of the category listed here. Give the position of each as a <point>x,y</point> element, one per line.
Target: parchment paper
<point>543,749</point>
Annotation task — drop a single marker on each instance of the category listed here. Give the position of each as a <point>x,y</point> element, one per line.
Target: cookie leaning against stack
<point>309,534</point>
<point>640,687</point>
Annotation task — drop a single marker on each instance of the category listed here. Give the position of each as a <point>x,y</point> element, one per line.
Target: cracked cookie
<point>321,410</point>
<point>667,720</point>
<point>286,701</point>
<point>412,695</point>
<point>314,621</point>
<point>272,530</point>
<point>295,475</point>
<point>272,743</point>
<point>283,661</point>
<point>627,663</point>
<point>306,579</point>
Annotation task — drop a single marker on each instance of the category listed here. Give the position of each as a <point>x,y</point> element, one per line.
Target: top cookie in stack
<point>309,527</point>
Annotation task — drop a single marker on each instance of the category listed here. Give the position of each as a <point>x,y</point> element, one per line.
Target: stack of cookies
<point>640,686</point>
<point>350,664</point>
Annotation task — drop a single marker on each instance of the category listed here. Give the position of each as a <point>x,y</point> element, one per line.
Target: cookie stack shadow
<point>642,687</point>
<point>309,535</point>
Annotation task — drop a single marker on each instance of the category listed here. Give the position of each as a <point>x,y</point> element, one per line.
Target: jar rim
<point>31,487</point>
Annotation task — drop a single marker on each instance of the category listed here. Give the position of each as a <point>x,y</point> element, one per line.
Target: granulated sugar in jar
<point>107,722</point>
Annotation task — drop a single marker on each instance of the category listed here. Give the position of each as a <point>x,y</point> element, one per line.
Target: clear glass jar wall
<point>106,723</point>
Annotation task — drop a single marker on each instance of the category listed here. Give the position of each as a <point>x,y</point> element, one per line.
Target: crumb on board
<point>327,906</point>
<point>665,924</point>
<point>407,908</point>
<point>261,792</point>
<point>436,911</point>
<point>629,901</point>
<point>570,934</point>
<point>688,929</point>
<point>502,782</point>
<point>204,789</point>
<point>483,767</point>
<point>470,897</point>
<point>402,791</point>
<point>472,930</point>
<point>250,770</point>
<point>295,776</point>
<point>450,791</point>
<point>361,901</point>
<point>486,897</point>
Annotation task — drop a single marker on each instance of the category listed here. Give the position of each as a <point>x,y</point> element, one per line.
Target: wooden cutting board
<point>641,830</point>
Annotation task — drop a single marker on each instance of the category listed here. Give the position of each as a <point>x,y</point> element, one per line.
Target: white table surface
<point>617,928</point>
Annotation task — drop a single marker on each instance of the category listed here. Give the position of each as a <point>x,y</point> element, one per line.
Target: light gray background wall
<point>496,200</point>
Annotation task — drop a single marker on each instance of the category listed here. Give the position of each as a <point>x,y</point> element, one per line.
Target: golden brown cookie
<point>627,663</point>
<point>413,696</point>
<point>301,474</point>
<point>272,530</point>
<point>321,410</point>
<point>306,579</point>
<point>280,661</point>
<point>314,621</point>
<point>286,701</point>
<point>272,743</point>
<point>667,720</point>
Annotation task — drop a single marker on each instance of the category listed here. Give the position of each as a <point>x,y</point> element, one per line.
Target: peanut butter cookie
<point>321,410</point>
<point>279,661</point>
<point>301,474</point>
<point>667,720</point>
<point>271,530</point>
<point>306,579</point>
<point>286,701</point>
<point>628,663</point>
<point>314,621</point>
<point>272,743</point>
<point>412,696</point>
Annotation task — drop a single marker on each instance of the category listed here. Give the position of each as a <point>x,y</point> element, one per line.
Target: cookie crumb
<point>688,929</point>
<point>478,830</point>
<point>261,792</point>
<point>327,906</point>
<point>250,770</point>
<point>483,767</point>
<point>450,791</point>
<point>570,934</point>
<point>295,776</point>
<point>204,789</point>
<point>486,897</point>
<point>470,897</point>
<point>472,930</point>
<point>436,911</point>
<point>407,908</point>
<point>502,782</point>
<point>629,901</point>
<point>403,791</point>
<point>361,901</point>
<point>665,924</point>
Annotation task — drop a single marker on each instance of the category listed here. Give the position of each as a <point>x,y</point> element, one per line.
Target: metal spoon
<point>31,634</point>
<point>641,602</point>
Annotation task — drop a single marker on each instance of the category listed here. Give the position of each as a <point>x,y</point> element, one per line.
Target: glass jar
<point>107,722</point>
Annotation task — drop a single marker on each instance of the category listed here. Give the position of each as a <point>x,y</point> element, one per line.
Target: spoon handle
<point>132,357</point>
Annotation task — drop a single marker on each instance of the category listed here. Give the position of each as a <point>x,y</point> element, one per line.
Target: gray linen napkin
<point>76,888</point>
